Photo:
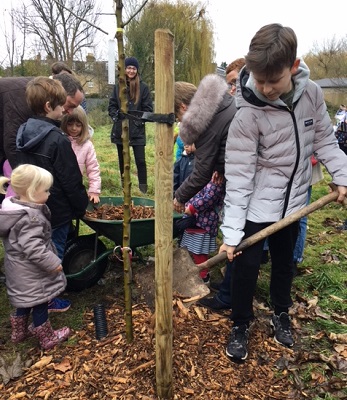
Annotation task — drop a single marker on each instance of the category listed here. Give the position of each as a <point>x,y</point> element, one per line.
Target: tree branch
<point>82,19</point>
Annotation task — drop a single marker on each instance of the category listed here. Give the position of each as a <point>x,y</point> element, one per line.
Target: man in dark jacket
<point>14,110</point>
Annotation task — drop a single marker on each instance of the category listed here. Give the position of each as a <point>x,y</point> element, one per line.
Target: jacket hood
<point>12,210</point>
<point>32,132</point>
<point>8,218</point>
<point>211,96</point>
<point>248,93</point>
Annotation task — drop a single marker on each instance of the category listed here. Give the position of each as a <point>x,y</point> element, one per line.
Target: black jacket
<point>206,124</point>
<point>42,143</point>
<point>137,133</point>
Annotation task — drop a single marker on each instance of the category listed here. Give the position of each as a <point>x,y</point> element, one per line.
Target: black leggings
<point>140,160</point>
<point>281,245</point>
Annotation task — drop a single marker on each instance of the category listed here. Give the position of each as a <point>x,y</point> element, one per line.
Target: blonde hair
<point>77,115</point>
<point>41,90</point>
<point>26,179</point>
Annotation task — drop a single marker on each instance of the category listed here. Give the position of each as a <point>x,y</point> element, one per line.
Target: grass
<point>325,260</point>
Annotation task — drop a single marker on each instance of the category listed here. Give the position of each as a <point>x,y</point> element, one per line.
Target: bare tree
<point>63,27</point>
<point>328,59</point>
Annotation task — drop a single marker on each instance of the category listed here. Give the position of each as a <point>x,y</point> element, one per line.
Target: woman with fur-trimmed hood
<point>205,114</point>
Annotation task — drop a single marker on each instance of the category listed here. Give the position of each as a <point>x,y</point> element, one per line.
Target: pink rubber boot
<point>48,337</point>
<point>20,329</point>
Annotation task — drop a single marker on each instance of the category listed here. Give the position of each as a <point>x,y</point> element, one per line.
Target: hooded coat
<point>30,256</point>
<point>206,123</point>
<point>268,153</point>
<point>42,143</point>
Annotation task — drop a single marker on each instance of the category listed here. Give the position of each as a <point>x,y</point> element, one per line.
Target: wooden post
<point>164,104</point>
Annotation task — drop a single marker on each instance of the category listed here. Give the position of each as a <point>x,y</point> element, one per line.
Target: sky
<point>235,23</point>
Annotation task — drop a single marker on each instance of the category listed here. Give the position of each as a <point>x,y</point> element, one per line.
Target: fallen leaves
<point>114,369</point>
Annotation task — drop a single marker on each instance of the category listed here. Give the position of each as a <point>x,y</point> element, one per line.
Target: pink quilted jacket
<point>88,163</point>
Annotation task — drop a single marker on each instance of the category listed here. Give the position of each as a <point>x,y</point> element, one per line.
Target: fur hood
<point>208,99</point>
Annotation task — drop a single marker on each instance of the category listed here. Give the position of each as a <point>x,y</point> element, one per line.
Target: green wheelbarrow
<point>86,256</point>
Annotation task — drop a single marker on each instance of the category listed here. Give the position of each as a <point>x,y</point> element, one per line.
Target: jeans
<point>59,238</point>
<point>300,243</point>
<point>40,313</point>
<point>246,270</point>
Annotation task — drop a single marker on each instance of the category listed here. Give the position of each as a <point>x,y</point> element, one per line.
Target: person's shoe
<point>213,303</point>
<point>281,326</point>
<point>58,305</point>
<point>237,346</point>
<point>49,338</point>
<point>143,187</point>
<point>20,330</point>
<point>205,276</point>
<point>215,286</point>
<point>342,227</point>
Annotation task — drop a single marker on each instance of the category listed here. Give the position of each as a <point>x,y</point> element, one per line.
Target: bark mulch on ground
<point>111,368</point>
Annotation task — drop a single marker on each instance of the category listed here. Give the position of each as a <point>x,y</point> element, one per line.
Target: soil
<point>114,368</point>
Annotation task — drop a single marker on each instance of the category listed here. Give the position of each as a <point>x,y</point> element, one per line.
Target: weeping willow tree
<point>193,32</point>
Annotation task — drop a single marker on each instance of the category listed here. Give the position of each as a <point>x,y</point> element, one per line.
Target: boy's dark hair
<point>41,90</point>
<point>59,67</point>
<point>272,49</point>
<point>70,83</point>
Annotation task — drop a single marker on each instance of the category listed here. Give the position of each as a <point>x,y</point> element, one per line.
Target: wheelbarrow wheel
<point>78,255</point>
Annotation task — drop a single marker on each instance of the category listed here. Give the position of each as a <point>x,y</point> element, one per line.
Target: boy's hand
<point>230,251</point>
<point>342,194</point>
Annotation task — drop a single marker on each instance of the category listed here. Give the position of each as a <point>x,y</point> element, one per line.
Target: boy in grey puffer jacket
<point>281,121</point>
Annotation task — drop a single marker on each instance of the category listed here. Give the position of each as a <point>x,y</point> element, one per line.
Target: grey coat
<point>30,256</point>
<point>268,151</point>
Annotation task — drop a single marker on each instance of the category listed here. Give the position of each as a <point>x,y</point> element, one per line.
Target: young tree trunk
<point>127,182</point>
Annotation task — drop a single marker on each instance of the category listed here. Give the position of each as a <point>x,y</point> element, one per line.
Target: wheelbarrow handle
<point>275,227</point>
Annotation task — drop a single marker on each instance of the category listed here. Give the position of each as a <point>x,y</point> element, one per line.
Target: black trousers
<point>140,160</point>
<point>281,246</point>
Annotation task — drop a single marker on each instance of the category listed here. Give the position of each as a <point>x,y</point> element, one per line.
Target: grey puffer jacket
<point>30,256</point>
<point>206,124</point>
<point>268,151</point>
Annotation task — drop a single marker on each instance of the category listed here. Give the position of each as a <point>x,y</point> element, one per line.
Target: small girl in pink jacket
<point>75,125</point>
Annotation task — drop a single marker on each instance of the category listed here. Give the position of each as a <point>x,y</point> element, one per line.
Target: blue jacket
<point>182,169</point>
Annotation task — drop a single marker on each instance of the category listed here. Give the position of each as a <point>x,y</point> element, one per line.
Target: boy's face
<point>274,87</point>
<point>54,113</point>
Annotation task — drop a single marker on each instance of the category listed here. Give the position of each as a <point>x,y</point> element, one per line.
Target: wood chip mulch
<point>108,212</point>
<point>85,368</point>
